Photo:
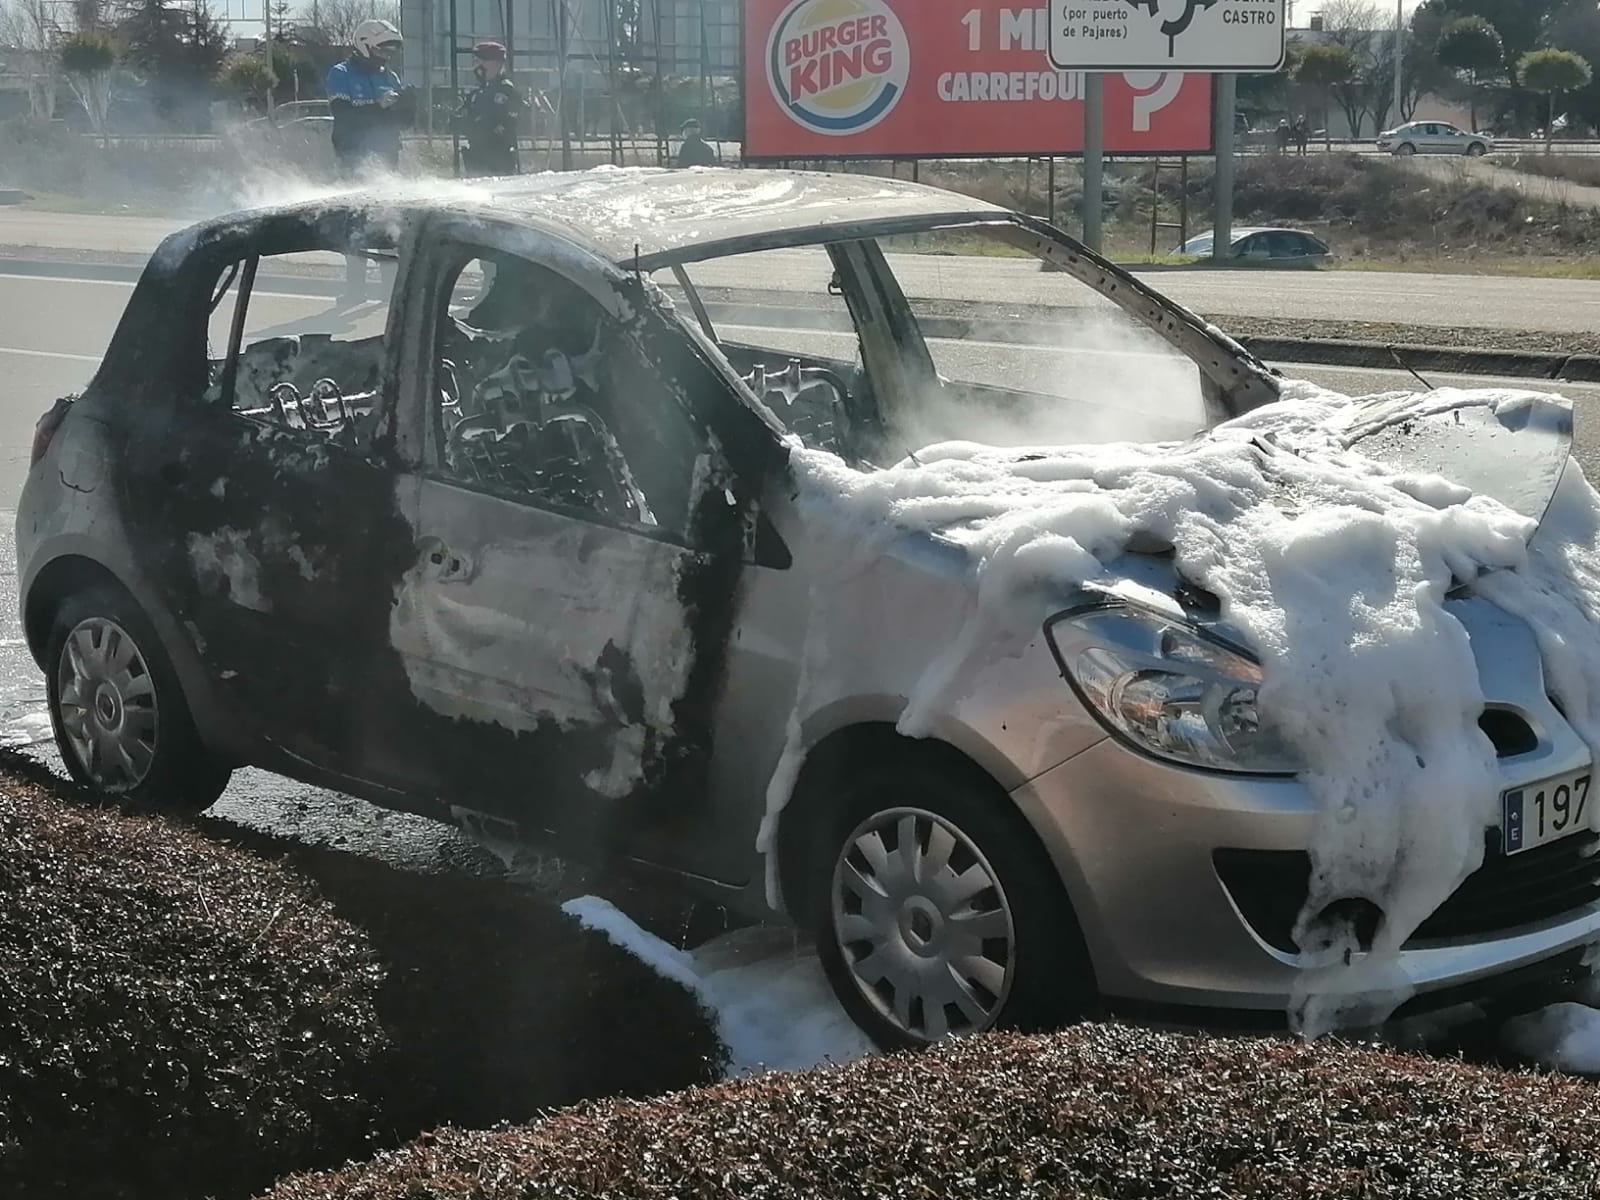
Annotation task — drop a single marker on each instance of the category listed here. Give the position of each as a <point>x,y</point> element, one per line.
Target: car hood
<point>1509,446</point>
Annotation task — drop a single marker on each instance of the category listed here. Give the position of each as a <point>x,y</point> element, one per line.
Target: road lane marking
<point>94,358</point>
<point>119,283</point>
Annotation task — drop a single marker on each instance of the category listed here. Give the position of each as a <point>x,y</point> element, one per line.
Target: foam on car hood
<point>1331,532</point>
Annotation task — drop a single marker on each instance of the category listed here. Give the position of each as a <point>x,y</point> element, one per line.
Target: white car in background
<point>1434,137</point>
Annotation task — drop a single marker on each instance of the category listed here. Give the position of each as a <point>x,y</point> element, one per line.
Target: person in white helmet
<point>369,109</point>
<point>366,100</point>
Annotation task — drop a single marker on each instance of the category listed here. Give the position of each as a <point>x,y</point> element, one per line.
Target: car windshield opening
<point>1021,354</point>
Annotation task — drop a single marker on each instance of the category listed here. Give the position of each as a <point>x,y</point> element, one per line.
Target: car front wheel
<point>120,718</point>
<point>1477,150</point>
<point>942,914</point>
<point>1405,150</point>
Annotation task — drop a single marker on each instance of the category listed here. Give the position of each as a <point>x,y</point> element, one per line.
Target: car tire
<point>1477,150</point>
<point>1405,150</point>
<point>121,721</point>
<point>949,960</point>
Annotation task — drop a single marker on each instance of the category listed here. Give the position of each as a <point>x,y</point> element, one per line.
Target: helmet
<point>376,39</point>
<point>490,51</point>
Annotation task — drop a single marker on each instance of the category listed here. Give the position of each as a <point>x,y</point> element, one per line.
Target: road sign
<point>1167,35</point>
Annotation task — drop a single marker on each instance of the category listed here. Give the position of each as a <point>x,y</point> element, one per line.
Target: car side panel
<point>69,509</point>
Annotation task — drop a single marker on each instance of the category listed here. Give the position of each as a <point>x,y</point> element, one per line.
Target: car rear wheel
<point>940,915</point>
<point>120,718</point>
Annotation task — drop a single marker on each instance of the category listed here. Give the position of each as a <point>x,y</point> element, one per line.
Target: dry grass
<point>1572,168</point>
<point>1097,1111</point>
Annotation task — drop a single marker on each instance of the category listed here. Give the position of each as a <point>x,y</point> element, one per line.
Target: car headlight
<point>1169,689</point>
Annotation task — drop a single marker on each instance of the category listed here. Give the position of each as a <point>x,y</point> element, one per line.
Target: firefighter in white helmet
<point>368,104</point>
<point>369,109</point>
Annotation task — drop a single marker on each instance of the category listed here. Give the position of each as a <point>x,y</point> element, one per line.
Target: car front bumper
<point>1134,841</point>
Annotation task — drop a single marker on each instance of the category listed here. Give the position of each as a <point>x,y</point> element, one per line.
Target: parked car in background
<point>1434,137</point>
<point>1266,247</point>
<point>302,118</point>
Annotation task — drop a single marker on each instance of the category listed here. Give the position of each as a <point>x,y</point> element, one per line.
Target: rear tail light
<point>47,426</point>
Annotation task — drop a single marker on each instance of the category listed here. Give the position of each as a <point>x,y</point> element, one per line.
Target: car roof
<point>640,213</point>
<point>1246,230</point>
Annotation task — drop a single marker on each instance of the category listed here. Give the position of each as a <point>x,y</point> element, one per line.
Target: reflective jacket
<point>488,116</point>
<point>361,127</point>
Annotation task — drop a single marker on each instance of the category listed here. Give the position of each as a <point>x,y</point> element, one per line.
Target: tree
<point>1553,72</point>
<point>1365,29</point>
<point>30,26</point>
<point>1325,68</point>
<point>248,77</point>
<point>88,58</point>
<point>335,21</point>
<point>177,51</point>
<point>1578,29</point>
<point>1520,23</point>
<point>1267,94</point>
<point>1523,25</point>
<point>1423,74</point>
<point>1473,46</point>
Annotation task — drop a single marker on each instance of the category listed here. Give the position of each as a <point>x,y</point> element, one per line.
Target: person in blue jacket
<point>369,109</point>
<point>366,100</point>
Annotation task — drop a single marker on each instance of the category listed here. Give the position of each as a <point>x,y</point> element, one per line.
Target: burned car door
<point>577,552</point>
<point>271,499</point>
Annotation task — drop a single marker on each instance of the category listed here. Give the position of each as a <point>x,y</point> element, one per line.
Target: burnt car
<point>542,540</point>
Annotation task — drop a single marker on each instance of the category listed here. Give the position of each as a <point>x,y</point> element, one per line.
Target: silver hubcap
<point>108,705</point>
<point>923,924</point>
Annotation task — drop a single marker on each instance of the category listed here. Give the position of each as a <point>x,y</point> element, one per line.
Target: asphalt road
<point>52,334</point>
<point>1490,302</point>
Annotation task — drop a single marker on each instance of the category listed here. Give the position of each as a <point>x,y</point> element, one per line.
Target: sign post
<point>1216,37</point>
<point>1094,158</point>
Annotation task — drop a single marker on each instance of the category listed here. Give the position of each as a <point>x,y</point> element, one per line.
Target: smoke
<point>1091,376</point>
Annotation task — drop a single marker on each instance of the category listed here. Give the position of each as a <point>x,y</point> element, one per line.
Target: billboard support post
<point>1222,225</point>
<point>1094,160</point>
<point>1050,189</point>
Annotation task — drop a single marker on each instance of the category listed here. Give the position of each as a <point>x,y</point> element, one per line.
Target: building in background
<point>623,69</point>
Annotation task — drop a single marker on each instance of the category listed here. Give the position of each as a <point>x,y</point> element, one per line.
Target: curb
<point>1447,360</point>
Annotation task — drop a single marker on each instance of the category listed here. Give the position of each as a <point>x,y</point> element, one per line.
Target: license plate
<point>1544,812</point>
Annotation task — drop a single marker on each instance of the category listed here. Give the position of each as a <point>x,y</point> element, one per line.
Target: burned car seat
<point>529,411</point>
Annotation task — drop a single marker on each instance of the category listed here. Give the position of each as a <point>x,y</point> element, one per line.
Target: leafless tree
<point>336,20</point>
<point>31,27</point>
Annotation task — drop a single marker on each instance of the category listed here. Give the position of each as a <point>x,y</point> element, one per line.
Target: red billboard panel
<point>941,78</point>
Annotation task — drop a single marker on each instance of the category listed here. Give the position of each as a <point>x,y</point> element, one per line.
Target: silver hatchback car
<point>515,543</point>
<point>1434,137</point>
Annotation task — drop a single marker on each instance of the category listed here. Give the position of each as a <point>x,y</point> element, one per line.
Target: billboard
<point>1139,35</point>
<point>941,79</point>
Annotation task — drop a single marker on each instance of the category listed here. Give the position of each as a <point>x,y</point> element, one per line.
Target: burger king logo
<point>838,66</point>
